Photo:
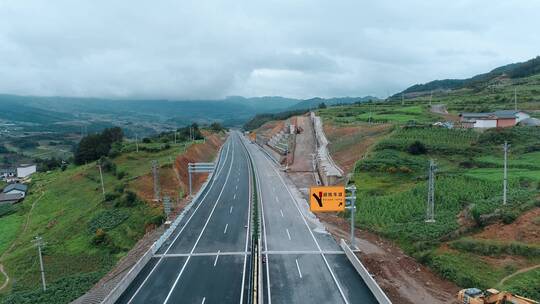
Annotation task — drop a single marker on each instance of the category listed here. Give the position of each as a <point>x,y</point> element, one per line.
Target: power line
<point>505,174</point>
<point>430,212</point>
<point>38,241</point>
<point>101,176</point>
<point>156,180</point>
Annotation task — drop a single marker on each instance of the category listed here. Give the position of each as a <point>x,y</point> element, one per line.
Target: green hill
<point>85,232</point>
<point>515,73</point>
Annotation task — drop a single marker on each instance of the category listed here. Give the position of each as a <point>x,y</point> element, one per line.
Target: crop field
<point>392,187</point>
<point>436,140</point>
<point>496,174</point>
<point>377,113</point>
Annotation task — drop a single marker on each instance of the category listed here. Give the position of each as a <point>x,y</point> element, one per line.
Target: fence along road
<point>205,259</point>
<point>303,264</point>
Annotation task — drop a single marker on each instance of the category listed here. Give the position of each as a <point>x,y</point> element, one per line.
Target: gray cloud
<point>211,49</point>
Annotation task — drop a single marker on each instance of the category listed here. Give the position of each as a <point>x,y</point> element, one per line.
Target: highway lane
<point>303,263</point>
<point>206,259</point>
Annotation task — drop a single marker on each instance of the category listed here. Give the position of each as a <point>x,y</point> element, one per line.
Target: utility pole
<point>156,180</point>
<point>430,98</point>
<point>352,207</point>
<point>430,213</point>
<point>137,142</point>
<point>505,178</point>
<point>167,207</point>
<point>38,241</point>
<point>515,99</point>
<point>101,176</point>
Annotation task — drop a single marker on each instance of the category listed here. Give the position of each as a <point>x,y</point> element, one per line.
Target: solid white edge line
<point>186,223</point>
<point>311,232</point>
<point>202,231</point>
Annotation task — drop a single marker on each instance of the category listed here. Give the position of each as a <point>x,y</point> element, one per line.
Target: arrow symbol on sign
<point>318,198</point>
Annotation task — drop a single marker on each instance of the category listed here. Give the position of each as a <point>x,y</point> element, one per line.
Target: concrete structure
<point>25,170</point>
<point>497,119</point>
<point>329,171</point>
<point>16,189</point>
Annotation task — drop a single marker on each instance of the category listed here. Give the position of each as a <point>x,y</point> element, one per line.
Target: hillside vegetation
<point>392,182</point>
<point>85,232</point>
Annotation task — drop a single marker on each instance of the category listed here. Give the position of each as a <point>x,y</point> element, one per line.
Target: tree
<point>216,127</point>
<point>322,105</point>
<point>94,146</point>
<point>417,148</point>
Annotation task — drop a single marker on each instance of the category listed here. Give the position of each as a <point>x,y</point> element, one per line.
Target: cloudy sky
<point>213,49</point>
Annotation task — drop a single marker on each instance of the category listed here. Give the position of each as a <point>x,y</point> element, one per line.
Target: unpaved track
<point>518,272</point>
<point>4,273</point>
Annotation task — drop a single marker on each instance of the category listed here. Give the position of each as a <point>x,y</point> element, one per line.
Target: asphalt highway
<point>206,259</point>
<point>304,264</point>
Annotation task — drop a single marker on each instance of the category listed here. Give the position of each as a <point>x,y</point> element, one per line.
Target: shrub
<point>417,148</point>
<point>111,196</point>
<point>100,237</point>
<point>128,199</point>
<point>121,174</point>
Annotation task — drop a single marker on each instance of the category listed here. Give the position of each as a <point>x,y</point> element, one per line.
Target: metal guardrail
<point>366,276</point>
<point>121,287</point>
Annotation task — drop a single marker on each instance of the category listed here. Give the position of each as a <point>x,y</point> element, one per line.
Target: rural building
<point>24,171</point>
<point>15,189</point>
<point>530,122</point>
<point>10,198</point>
<point>497,119</point>
<point>8,173</point>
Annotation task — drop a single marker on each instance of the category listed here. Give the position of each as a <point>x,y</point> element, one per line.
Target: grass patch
<point>467,270</point>
<point>525,284</point>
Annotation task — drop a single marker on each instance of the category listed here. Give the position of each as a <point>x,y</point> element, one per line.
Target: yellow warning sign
<point>327,199</point>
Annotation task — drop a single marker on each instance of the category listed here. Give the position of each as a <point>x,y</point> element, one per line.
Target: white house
<point>24,171</point>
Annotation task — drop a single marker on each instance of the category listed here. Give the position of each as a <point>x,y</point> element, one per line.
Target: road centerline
<point>298,267</point>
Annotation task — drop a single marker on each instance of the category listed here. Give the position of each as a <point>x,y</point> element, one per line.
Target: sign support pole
<point>352,208</point>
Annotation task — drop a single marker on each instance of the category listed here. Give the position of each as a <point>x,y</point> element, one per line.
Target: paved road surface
<point>303,263</point>
<point>206,259</point>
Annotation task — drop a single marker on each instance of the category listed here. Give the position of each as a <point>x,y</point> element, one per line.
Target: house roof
<point>26,165</point>
<point>8,170</point>
<point>15,186</point>
<point>530,122</point>
<point>10,198</point>
<point>501,114</point>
